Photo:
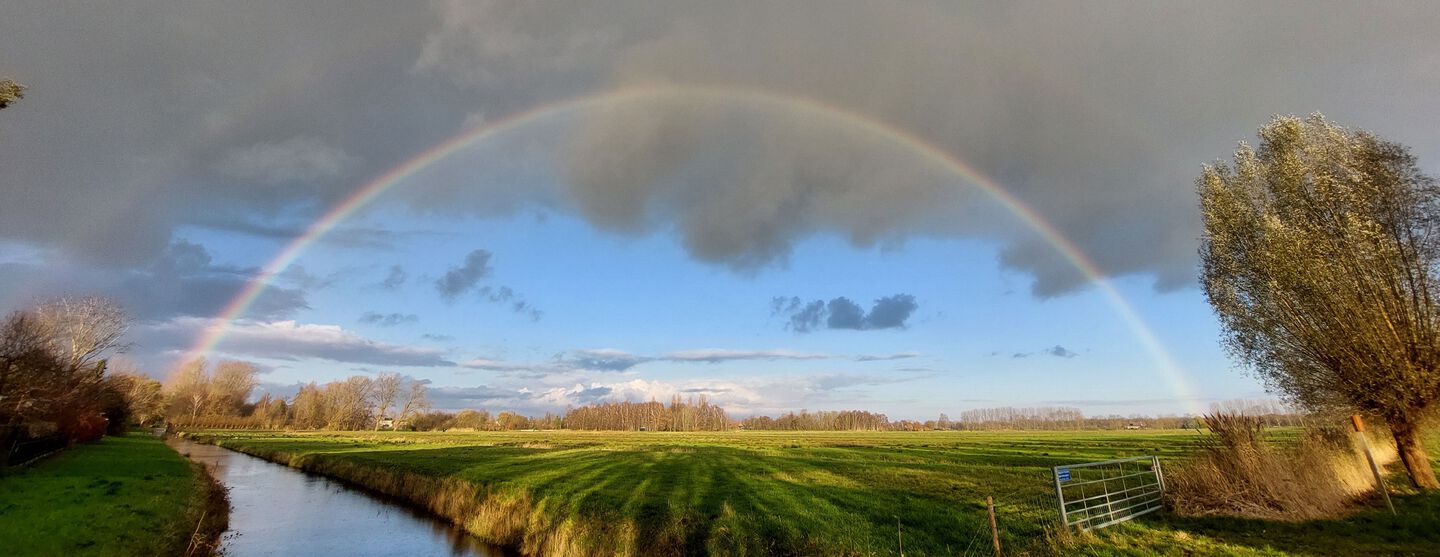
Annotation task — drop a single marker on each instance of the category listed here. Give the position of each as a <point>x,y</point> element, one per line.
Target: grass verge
<point>128,495</point>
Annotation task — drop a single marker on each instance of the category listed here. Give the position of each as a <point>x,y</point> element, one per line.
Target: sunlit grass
<point>127,495</point>
<point>823,493</point>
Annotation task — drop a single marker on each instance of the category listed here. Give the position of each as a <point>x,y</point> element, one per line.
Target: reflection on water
<point>277,510</point>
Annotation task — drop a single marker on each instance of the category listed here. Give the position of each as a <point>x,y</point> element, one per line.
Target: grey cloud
<point>502,366</point>
<point>395,279</point>
<point>361,237</point>
<point>388,319</point>
<point>1056,351</point>
<point>181,281</point>
<point>143,152</point>
<point>716,355</point>
<point>844,314</point>
<point>300,277</point>
<point>890,312</point>
<point>462,398</point>
<point>464,278</point>
<point>184,282</point>
<point>612,360</point>
<point>1076,110</point>
<point>886,357</point>
<point>294,341</point>
<point>808,317</point>
<point>1060,352</point>
<point>295,160</point>
<point>604,360</point>
<point>592,394</point>
<point>507,296</point>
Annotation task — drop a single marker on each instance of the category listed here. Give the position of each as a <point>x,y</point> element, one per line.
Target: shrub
<point>1240,472</point>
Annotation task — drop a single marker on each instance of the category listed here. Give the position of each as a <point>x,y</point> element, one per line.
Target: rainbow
<point>215,332</point>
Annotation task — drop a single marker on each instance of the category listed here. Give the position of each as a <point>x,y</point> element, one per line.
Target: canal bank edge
<point>121,495</point>
<point>496,517</point>
<point>209,513</point>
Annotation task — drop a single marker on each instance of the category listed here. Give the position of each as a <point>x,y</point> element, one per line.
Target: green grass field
<point>128,495</point>
<point>798,492</point>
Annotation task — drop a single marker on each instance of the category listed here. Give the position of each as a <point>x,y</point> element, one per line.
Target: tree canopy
<point>10,91</point>
<point>1319,257</point>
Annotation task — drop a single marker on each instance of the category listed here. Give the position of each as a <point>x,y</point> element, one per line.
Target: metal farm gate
<point>1098,494</point>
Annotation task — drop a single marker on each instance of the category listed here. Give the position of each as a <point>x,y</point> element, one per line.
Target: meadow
<point>128,495</point>
<point>794,493</point>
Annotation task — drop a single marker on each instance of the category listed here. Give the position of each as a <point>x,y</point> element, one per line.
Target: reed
<point>1239,472</point>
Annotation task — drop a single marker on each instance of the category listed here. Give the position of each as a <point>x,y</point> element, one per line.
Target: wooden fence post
<point>1375,469</point>
<point>994,530</point>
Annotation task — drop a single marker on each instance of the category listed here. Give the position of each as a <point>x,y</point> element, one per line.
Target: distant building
<point>1133,425</point>
<point>385,423</point>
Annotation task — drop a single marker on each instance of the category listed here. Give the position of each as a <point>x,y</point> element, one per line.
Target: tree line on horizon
<point>56,383</point>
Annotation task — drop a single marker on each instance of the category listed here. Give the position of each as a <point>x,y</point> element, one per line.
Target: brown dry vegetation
<point>1241,473</point>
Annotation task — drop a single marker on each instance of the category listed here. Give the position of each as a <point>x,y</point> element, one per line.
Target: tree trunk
<point>1412,453</point>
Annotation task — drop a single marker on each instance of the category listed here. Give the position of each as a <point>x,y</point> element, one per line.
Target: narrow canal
<point>277,510</point>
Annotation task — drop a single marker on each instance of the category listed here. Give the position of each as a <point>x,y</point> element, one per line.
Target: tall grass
<point>1240,471</point>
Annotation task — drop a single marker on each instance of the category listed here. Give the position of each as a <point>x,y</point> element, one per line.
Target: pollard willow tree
<point>1319,256</point>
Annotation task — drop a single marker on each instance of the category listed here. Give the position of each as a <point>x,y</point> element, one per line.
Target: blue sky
<point>804,251</point>
<point>978,337</point>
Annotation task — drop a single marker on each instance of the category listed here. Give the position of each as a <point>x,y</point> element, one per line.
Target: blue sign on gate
<point>1063,474</point>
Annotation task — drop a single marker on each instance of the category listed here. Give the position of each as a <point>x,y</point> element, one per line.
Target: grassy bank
<point>128,495</point>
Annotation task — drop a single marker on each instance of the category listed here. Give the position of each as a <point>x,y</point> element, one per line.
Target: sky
<point>910,208</point>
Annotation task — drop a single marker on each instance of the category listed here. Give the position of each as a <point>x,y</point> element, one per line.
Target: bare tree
<point>415,402</point>
<point>309,407</point>
<point>143,396</point>
<point>1318,254</point>
<point>83,329</point>
<point>30,375</point>
<point>230,387</point>
<point>348,403</point>
<point>188,390</point>
<point>387,389</point>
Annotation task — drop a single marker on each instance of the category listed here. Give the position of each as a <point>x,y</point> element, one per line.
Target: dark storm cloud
<point>1096,115</point>
<point>465,277</point>
<point>181,281</point>
<point>388,319</point>
<point>890,312</point>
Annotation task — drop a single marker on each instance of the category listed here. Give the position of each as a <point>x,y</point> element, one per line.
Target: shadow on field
<point>706,498</point>
<point>1415,530</point>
